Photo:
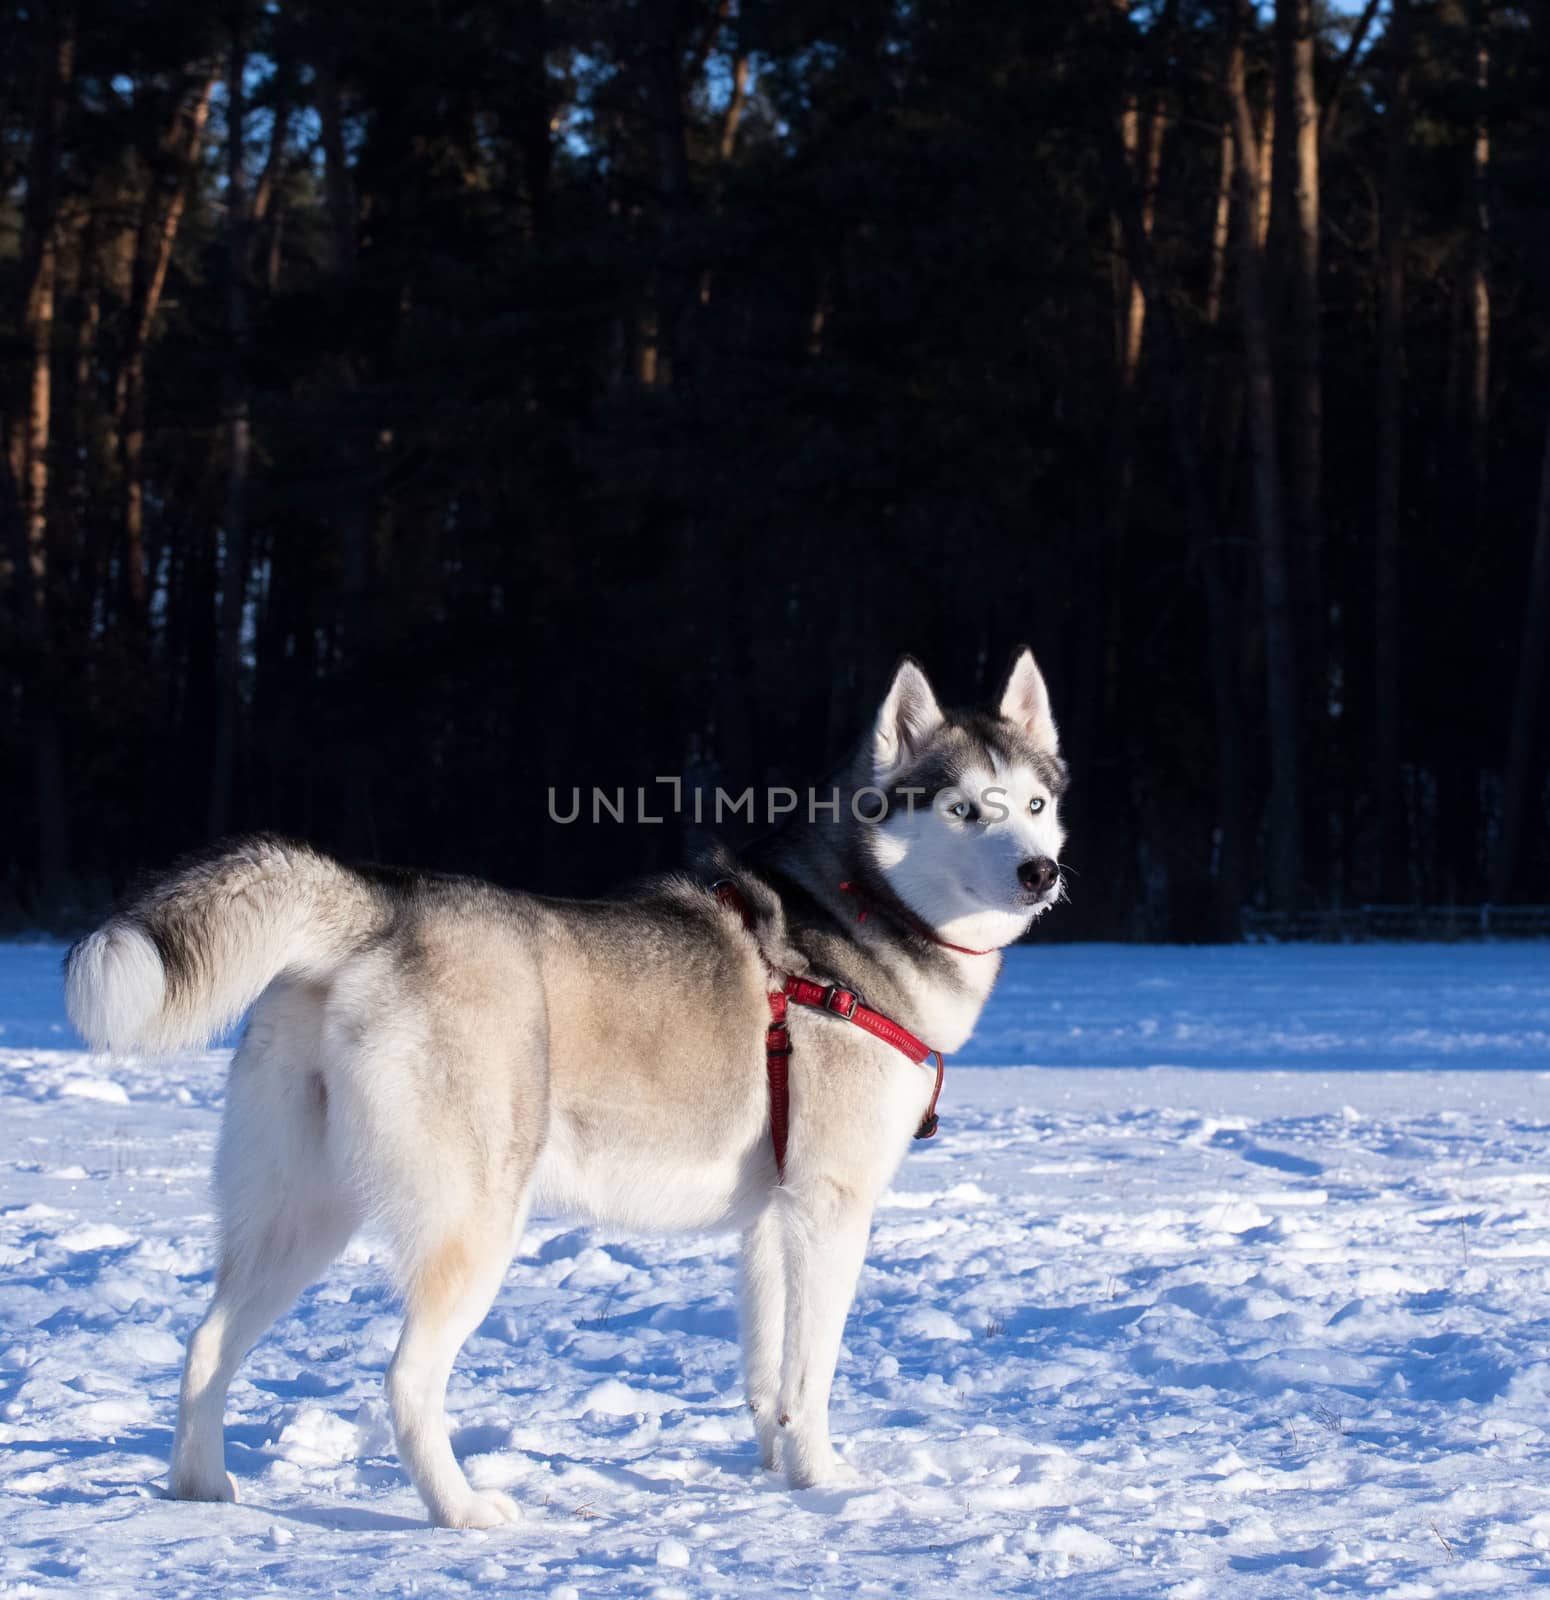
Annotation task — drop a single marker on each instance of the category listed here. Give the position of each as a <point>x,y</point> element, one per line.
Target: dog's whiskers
<point>1062,886</point>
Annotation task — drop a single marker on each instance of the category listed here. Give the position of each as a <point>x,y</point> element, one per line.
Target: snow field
<point>1210,1327</point>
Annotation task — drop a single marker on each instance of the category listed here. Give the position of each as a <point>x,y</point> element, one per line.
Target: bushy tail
<point>191,953</point>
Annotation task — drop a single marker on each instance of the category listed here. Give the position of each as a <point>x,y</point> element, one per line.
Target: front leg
<point>825,1241</point>
<point>762,1312</point>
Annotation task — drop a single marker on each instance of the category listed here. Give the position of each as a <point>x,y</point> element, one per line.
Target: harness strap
<point>777,1059</point>
<point>838,1001</point>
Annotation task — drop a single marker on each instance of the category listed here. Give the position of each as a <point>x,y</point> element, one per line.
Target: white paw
<point>484,1508</point>
<point>211,1486</point>
<point>769,1448</point>
<point>824,1471</point>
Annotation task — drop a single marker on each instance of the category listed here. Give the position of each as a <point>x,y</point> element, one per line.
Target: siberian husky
<point>432,1056</point>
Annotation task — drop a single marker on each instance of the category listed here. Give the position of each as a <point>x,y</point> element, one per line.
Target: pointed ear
<point>1025,703</point>
<point>909,715</point>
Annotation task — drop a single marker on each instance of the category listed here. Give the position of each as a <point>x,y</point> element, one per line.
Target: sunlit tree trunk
<point>1228,394</point>
<point>55,28</point>
<point>82,460</point>
<point>1299,236</point>
<point>1479,264</point>
<point>1284,812</point>
<point>267,210</point>
<point>732,117</point>
<point>1221,613</point>
<point>1129,137</point>
<point>1306,366</point>
<point>1142,129</point>
<point>55,32</point>
<point>166,197</point>
<point>340,203</point>
<point>726,145</point>
<point>1219,224</point>
<point>1148,165</point>
<point>1143,121</point>
<point>1264,167</point>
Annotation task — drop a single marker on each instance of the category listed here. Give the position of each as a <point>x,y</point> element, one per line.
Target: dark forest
<point>409,408</point>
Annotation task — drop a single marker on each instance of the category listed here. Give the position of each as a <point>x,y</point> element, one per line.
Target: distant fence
<point>1352,924</point>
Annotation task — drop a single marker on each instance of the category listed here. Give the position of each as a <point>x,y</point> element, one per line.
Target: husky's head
<point>971,838</point>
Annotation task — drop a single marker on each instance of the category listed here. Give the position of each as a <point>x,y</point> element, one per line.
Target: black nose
<point>1037,874</point>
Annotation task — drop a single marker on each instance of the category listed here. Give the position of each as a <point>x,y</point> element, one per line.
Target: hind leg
<point>443,1089</point>
<point>450,1290</point>
<point>253,1287</point>
<point>282,1222</point>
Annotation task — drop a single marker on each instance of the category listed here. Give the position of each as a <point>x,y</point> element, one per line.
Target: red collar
<point>907,920</point>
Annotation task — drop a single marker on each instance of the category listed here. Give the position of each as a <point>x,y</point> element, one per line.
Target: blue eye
<point>963,811</point>
<point>1036,805</point>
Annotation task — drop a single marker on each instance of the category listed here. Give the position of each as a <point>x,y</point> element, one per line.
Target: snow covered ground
<point>1203,1290</point>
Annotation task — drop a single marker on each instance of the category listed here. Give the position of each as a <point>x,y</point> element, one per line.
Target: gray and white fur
<point>431,1057</point>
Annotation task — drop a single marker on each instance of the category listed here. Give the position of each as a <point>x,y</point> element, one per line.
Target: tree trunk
<point>1221,614</point>
<point>1262,176</point>
<point>1305,434</point>
<point>1142,137</point>
<point>1521,745</point>
<point>55,28</point>
<point>356,448</point>
<point>1391,324</point>
<point>1219,223</point>
<point>266,190</point>
<point>40,280</point>
<point>1150,164</point>
<point>1183,414</point>
<point>166,196</point>
<point>1141,120</point>
<point>662,318</point>
<point>39,324</point>
<point>1353,48</point>
<point>726,145</point>
<point>732,117</point>
<point>1285,805</point>
<point>1129,121</point>
<point>267,210</point>
<point>1479,282</point>
<point>1306,364</point>
<point>234,562</point>
<point>339,196</point>
<point>83,469</point>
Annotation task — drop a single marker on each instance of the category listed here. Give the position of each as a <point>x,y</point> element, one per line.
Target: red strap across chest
<point>838,1001</point>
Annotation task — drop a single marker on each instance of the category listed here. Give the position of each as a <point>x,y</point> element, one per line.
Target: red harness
<point>838,1001</point>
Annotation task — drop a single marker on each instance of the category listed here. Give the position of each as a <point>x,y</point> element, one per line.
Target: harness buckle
<point>842,1002</point>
